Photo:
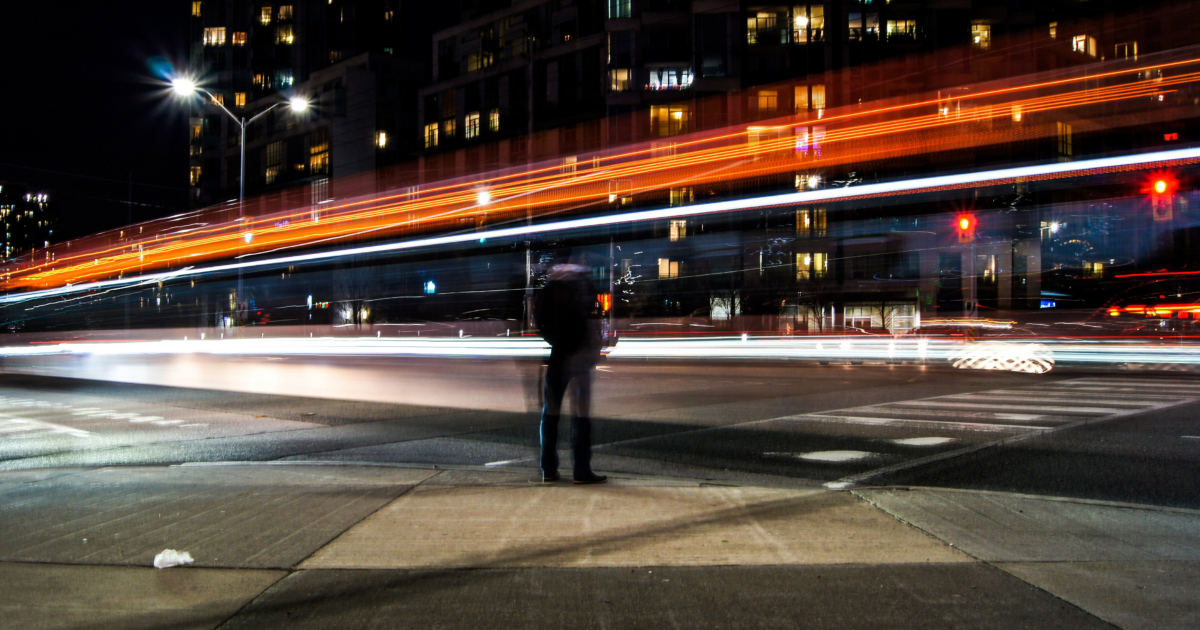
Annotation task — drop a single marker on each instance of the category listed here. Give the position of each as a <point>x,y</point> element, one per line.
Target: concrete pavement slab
<point>52,597</point>
<point>1000,527</point>
<point>225,516</point>
<point>841,597</point>
<point>1130,595</point>
<point>520,525</point>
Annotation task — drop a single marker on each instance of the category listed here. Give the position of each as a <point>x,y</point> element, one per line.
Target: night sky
<point>80,99</point>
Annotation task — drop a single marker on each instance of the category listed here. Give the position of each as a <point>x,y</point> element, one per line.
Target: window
<point>678,228</point>
<point>674,78</point>
<point>262,80</point>
<point>389,15</point>
<point>239,38</point>
<point>449,127</point>
<point>285,12</point>
<point>981,36</point>
<point>318,149</point>
<point>284,34</point>
<point>431,135</point>
<point>682,197</point>
<point>818,97</point>
<point>811,266</point>
<point>479,60</point>
<point>1084,44</point>
<point>619,80</point>
<point>381,139</point>
<point>195,177</point>
<point>218,99</point>
<point>264,16</point>
<point>284,78</point>
<point>901,29</point>
<point>214,36</point>
<point>619,9</point>
<point>1065,142</point>
<point>801,101</point>
<point>196,8</point>
<point>472,125</point>
<point>494,120</point>
<point>767,101</point>
<point>670,120</point>
<point>810,222</point>
<point>808,25</point>
<point>274,161</point>
<point>668,268</point>
<point>1054,30</point>
<point>1128,50</point>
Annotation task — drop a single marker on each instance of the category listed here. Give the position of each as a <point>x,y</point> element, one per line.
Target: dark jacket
<point>567,314</point>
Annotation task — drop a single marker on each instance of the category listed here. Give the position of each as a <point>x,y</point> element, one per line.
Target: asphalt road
<point>1128,437</point>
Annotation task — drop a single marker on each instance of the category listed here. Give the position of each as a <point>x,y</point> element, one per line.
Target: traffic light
<point>964,226</point>
<point>1161,188</point>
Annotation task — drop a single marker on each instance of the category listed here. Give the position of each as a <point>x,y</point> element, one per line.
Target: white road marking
<point>908,422</point>
<point>40,426</point>
<point>1030,407</point>
<point>836,456</point>
<point>508,461</point>
<point>923,441</point>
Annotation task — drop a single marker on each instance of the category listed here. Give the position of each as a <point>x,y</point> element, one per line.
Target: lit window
<point>677,78</point>
<point>284,78</point>
<point>218,99</point>
<point>274,161</point>
<point>981,36</point>
<point>619,80</point>
<point>767,101</point>
<point>472,125</point>
<point>678,229</point>
<point>262,80</point>
<point>764,28</point>
<point>809,25</point>
<point>449,127</point>
<point>214,36</point>
<point>811,266</point>
<point>1017,113</point>
<point>318,161</point>
<point>1053,30</point>
<point>1128,50</point>
<point>285,12</point>
<point>801,98</point>
<point>197,131</point>
<point>195,177</point>
<point>265,15</point>
<point>284,34</point>
<point>818,97</point>
<point>901,29</point>
<point>682,197</point>
<point>1065,142</point>
<point>619,9</point>
<point>381,139</point>
<point>431,135</point>
<point>670,120</point>
<point>1084,44</point>
<point>239,38</point>
<point>196,8</point>
<point>494,120</point>
<point>668,268</point>
<point>388,15</point>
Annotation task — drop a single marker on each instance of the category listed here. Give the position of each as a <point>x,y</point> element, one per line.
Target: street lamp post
<point>186,87</point>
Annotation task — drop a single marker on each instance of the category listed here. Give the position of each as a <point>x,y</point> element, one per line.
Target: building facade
<point>27,219</point>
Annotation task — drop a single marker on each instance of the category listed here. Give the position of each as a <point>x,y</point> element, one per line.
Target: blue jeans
<point>562,374</point>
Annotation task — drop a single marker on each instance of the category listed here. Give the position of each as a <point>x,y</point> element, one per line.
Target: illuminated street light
<point>183,86</point>
<point>298,104</point>
<point>484,198</point>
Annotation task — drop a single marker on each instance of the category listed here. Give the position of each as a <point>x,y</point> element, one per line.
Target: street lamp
<point>186,87</point>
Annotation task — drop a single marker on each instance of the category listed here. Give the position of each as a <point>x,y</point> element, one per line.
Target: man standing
<point>567,314</point>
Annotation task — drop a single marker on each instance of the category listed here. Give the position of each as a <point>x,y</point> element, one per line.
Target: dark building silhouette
<point>27,220</point>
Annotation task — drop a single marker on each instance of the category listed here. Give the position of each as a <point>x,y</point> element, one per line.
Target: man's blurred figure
<point>568,317</point>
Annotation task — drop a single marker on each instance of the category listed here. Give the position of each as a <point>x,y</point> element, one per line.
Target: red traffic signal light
<point>965,223</point>
<point>1161,184</point>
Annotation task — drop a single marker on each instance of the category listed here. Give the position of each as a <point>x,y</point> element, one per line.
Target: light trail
<point>945,182</point>
<point>550,189</point>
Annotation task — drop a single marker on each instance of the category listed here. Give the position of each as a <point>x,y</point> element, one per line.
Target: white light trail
<point>814,196</point>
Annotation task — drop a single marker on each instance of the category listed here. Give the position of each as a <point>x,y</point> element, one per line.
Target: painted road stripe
<point>1053,399</point>
<point>1042,408</point>
<point>940,413</point>
<point>913,423</point>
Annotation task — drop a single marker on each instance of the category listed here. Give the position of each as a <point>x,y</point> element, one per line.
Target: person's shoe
<point>551,478</point>
<point>590,478</point>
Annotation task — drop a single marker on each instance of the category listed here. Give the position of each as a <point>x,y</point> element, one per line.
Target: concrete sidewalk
<point>322,546</point>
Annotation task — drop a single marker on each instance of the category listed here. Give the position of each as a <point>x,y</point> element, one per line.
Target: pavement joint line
<point>1040,497</point>
<point>853,480</point>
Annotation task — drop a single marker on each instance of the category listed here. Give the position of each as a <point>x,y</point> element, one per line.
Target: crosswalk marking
<point>18,427</point>
<point>1029,407</point>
